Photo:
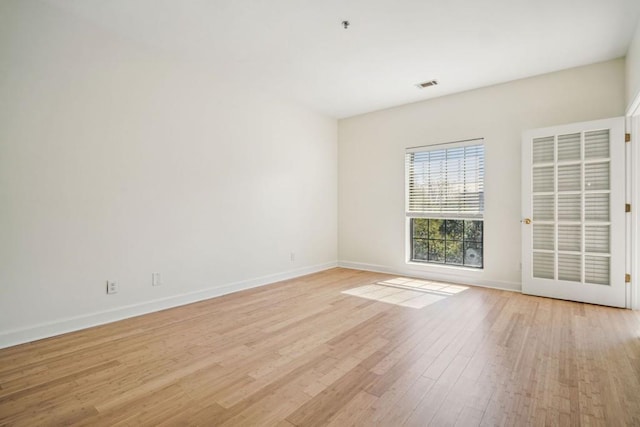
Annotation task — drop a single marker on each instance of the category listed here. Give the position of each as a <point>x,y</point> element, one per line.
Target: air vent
<point>427,84</point>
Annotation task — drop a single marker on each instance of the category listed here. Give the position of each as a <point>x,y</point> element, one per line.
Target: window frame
<point>409,216</point>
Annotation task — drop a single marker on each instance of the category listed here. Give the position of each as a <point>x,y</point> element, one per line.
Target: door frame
<point>633,188</point>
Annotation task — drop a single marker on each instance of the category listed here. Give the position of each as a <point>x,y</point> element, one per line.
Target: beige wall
<point>116,162</point>
<point>371,219</point>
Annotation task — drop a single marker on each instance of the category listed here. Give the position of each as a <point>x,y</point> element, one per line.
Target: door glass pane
<point>569,207</point>
<point>596,176</point>
<point>596,207</point>
<point>543,207</point>
<point>596,144</point>
<point>569,178</point>
<point>596,239</point>
<point>570,238</point>
<point>569,147</point>
<point>543,237</point>
<point>596,270</point>
<point>569,267</point>
<point>543,150</point>
<point>543,267</point>
<point>543,179</point>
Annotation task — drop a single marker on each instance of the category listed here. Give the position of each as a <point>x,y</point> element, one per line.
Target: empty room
<point>319,213</point>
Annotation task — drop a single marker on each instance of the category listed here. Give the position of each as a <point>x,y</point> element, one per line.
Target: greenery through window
<point>447,241</point>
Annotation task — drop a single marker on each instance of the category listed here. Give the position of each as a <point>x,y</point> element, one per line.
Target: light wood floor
<point>301,353</point>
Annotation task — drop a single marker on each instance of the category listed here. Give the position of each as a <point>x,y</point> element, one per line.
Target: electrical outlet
<point>156,280</point>
<point>292,256</point>
<point>112,287</point>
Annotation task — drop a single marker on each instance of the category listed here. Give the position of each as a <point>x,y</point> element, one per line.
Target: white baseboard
<point>444,276</point>
<point>70,324</point>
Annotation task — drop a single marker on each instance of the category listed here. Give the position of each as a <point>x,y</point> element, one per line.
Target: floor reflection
<point>406,292</point>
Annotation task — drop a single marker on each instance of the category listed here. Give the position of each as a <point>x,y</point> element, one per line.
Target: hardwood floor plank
<point>354,411</point>
<point>319,410</point>
<point>395,406</point>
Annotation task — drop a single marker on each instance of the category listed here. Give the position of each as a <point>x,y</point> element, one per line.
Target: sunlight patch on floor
<point>413,293</point>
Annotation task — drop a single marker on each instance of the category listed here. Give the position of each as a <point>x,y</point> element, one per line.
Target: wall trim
<point>445,276</point>
<point>71,324</point>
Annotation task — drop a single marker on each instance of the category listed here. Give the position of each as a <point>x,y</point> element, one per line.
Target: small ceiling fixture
<point>427,84</point>
<point>345,24</point>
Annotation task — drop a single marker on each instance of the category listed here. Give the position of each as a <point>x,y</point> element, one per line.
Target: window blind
<point>446,182</point>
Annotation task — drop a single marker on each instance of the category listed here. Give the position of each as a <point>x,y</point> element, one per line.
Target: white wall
<point>633,69</point>
<point>371,221</point>
<point>116,162</point>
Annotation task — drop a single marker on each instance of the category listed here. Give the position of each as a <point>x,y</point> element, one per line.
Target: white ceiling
<point>298,48</point>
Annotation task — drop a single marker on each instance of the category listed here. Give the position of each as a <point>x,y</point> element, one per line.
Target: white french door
<point>573,189</point>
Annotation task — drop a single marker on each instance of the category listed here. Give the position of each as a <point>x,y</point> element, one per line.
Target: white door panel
<point>573,208</point>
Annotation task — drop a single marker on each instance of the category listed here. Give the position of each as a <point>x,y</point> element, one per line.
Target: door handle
<point>526,221</point>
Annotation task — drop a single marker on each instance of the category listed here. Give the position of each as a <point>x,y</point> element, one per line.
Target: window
<point>445,203</point>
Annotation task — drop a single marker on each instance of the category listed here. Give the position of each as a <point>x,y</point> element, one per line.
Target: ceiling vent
<point>427,84</point>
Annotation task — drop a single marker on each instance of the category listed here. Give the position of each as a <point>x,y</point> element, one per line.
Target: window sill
<point>443,267</point>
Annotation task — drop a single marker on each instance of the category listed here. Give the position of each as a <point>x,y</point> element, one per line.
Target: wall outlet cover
<point>112,287</point>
